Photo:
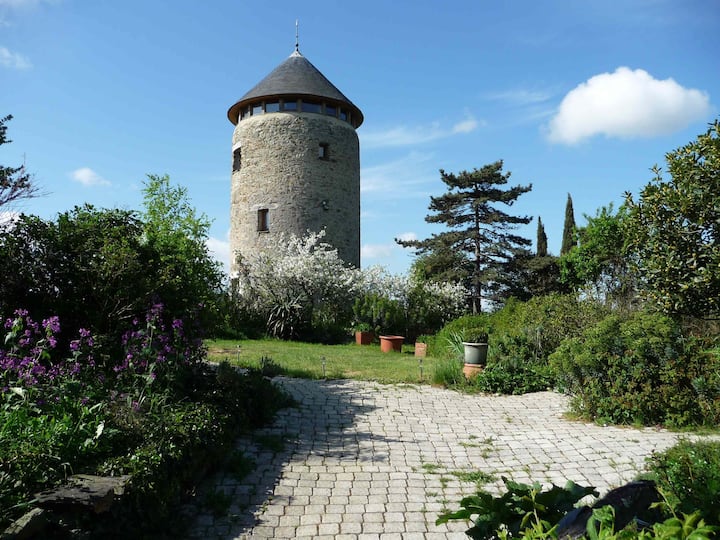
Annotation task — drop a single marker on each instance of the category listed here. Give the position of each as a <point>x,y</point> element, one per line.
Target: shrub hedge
<point>640,370</point>
<point>688,475</point>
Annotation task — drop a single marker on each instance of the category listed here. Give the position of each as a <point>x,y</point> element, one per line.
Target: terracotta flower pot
<point>364,338</point>
<point>391,343</point>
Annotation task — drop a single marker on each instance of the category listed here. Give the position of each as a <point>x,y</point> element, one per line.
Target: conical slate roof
<point>296,77</point>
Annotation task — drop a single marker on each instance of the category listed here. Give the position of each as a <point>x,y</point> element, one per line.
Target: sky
<point>575,96</point>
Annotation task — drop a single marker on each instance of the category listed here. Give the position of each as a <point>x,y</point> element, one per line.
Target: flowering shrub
<point>406,304</point>
<point>300,286</point>
<point>303,289</point>
<point>156,412</point>
<point>158,350</point>
<point>50,419</point>
<point>29,358</point>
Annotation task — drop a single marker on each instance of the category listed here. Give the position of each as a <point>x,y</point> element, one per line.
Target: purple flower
<point>52,324</point>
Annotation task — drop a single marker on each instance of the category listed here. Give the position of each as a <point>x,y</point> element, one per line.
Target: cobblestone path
<point>361,460</point>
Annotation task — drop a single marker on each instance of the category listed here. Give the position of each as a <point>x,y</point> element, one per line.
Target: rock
<point>629,501</point>
<point>84,491</point>
<point>28,526</point>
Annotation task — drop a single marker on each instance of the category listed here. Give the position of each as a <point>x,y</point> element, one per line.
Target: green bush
<point>688,474</point>
<point>517,508</point>
<point>383,315</point>
<point>546,321</point>
<point>641,370</point>
<point>513,378</point>
<point>521,337</point>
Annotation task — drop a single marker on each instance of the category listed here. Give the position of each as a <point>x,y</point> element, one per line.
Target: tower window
<point>272,106</point>
<point>330,110</point>
<point>257,109</point>
<point>311,106</point>
<point>263,224</point>
<point>237,159</point>
<point>289,106</point>
<point>324,151</point>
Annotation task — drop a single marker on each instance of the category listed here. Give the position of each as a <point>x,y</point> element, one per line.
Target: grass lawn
<point>351,361</point>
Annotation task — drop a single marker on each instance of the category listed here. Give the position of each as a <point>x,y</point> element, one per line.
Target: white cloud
<point>376,251</point>
<point>88,178</point>
<point>520,96</point>
<point>220,250</point>
<point>24,3</point>
<point>465,126</point>
<point>385,251</point>
<point>626,103</point>
<point>401,177</point>
<point>407,236</point>
<point>13,60</point>
<point>406,136</point>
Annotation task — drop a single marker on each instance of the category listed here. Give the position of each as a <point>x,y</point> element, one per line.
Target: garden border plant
<point>159,414</point>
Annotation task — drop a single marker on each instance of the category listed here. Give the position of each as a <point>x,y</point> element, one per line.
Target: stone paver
<point>364,460</point>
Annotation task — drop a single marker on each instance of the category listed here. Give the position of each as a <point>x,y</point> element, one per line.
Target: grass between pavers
<point>351,361</point>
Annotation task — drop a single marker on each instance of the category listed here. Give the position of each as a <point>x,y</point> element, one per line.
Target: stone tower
<point>296,162</point>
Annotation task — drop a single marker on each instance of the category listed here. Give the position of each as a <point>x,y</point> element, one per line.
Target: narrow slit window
<point>324,151</point>
<point>263,223</point>
<point>237,159</point>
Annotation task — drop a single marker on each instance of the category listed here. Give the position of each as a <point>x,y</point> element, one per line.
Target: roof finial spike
<point>297,36</point>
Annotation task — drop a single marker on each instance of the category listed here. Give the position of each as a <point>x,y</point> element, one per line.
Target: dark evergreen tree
<point>443,265</point>
<point>15,182</point>
<point>477,228</point>
<point>542,248</point>
<point>568,238</point>
<point>528,275</point>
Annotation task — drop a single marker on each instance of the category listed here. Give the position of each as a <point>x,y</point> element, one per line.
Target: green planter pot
<point>475,353</point>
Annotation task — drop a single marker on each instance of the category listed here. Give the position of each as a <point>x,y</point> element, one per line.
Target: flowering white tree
<point>303,289</point>
<point>406,303</point>
<point>299,286</point>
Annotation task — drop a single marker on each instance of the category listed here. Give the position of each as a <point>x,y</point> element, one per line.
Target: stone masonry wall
<point>281,171</point>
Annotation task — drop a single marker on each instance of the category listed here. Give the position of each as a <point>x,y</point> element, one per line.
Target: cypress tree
<point>568,238</point>
<point>542,248</point>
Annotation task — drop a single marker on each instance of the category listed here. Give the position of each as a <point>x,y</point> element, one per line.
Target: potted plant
<point>476,348</point>
<point>391,343</point>
<point>421,346</point>
<point>364,334</point>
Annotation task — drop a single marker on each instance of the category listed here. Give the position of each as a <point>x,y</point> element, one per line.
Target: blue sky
<point>576,96</point>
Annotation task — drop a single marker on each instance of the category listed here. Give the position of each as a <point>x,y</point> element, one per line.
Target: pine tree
<point>478,229</point>
<point>542,247</point>
<point>15,182</point>
<point>568,238</point>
